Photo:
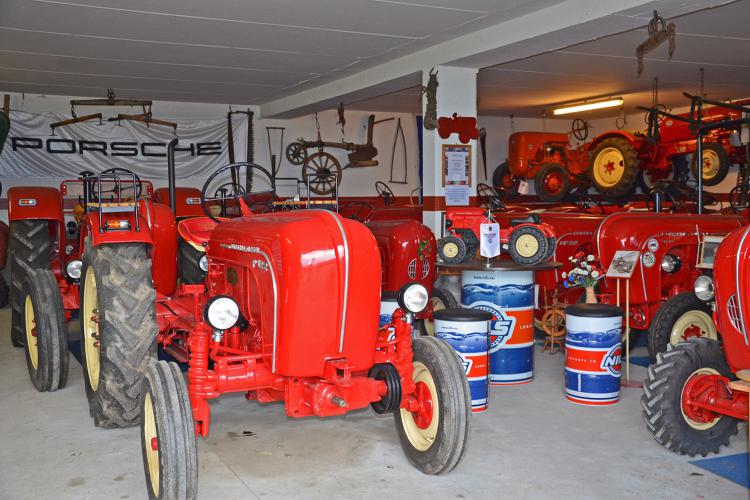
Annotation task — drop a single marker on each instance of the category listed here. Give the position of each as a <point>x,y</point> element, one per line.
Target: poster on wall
<point>32,151</point>
<point>457,173</point>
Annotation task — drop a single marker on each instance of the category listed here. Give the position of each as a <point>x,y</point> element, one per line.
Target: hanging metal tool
<point>342,121</point>
<point>399,134</point>
<point>483,146</point>
<point>274,166</point>
<point>658,32</point>
<point>76,119</point>
<point>146,118</point>
<point>430,92</point>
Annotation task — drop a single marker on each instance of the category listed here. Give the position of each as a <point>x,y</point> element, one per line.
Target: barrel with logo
<point>593,354</point>
<point>466,330</point>
<point>509,296</point>
<point>388,304</point>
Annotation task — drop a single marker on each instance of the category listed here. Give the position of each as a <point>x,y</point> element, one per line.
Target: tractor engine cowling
<point>310,280</point>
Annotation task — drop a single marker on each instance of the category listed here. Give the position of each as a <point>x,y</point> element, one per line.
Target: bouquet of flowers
<point>585,272</point>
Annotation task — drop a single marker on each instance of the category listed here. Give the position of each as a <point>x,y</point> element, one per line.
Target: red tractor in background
<point>688,403</point>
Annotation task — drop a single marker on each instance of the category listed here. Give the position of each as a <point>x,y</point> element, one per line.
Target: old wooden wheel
<point>324,172</point>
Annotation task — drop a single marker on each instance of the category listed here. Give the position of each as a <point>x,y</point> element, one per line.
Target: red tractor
<point>688,403</point>
<point>288,313</point>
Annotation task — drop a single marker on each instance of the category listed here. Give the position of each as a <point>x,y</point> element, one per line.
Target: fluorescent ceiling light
<point>589,106</point>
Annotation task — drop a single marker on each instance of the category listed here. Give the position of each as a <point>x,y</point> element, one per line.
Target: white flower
<point>564,275</point>
<point>590,258</point>
<point>595,274</point>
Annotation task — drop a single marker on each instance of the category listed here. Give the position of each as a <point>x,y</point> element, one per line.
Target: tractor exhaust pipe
<point>170,174</point>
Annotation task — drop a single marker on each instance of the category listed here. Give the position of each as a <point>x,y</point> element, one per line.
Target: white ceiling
<point>717,40</point>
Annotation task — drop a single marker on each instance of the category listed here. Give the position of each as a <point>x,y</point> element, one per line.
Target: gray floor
<point>530,444</point>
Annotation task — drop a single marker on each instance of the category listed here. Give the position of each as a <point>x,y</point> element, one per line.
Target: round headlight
<point>203,263</point>
<point>670,263</point>
<point>222,312</point>
<point>704,288</point>
<point>73,269</point>
<point>413,297</point>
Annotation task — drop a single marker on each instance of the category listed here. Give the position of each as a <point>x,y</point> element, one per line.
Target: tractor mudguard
<point>531,219</point>
<point>26,202</point>
<point>164,251</point>
<point>631,137</point>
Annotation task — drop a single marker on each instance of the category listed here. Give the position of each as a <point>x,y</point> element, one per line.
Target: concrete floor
<point>532,443</point>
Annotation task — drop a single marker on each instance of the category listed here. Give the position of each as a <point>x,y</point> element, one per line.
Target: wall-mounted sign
<point>456,159</point>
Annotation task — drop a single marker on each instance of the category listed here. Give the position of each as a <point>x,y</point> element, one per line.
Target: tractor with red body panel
<point>688,403</point>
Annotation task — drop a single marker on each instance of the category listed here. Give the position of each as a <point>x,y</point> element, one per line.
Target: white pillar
<point>456,93</point>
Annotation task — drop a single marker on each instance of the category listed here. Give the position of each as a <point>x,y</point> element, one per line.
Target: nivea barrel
<point>466,330</point>
<point>509,297</point>
<point>388,304</point>
<point>592,354</point>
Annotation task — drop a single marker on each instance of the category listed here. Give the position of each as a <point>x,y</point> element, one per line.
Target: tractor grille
<point>411,269</point>
<point>425,268</point>
<point>734,312</point>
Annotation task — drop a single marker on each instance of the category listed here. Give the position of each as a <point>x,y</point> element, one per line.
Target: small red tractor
<point>288,313</point>
<point>619,157</point>
<point>688,403</point>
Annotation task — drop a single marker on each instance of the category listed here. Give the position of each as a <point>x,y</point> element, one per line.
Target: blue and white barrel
<point>388,304</point>
<point>509,297</point>
<point>593,351</point>
<point>467,330</point>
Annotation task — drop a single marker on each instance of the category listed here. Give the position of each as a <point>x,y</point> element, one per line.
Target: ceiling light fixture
<point>612,102</point>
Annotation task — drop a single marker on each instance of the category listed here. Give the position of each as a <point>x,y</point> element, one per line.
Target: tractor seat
<point>196,231</point>
<point>532,219</point>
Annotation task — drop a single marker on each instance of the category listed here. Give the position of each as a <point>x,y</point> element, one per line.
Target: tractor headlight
<point>222,312</point>
<point>704,288</point>
<point>670,263</point>
<point>73,269</point>
<point>413,297</point>
<point>203,263</point>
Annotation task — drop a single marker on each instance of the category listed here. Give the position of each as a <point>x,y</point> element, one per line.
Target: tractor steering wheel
<point>256,187</point>
<point>580,129</point>
<point>384,191</point>
<point>489,196</point>
<point>117,173</point>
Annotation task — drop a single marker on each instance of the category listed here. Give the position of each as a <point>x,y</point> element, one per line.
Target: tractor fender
<point>27,202</point>
<point>623,134</point>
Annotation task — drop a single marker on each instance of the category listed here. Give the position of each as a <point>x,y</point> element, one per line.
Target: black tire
<point>126,330</point>
<point>30,248</point>
<point>189,263</point>
<point>440,299</point>
<point>667,316</point>
<point>544,190</point>
<point>625,184</point>
<point>45,335</point>
<point>646,183</point>
<point>721,171</point>
<point>435,360</point>
<point>502,178</point>
<point>453,244</point>
<point>173,428</point>
<point>4,292</point>
<point>515,243</point>
<point>551,247</point>
<point>662,398</point>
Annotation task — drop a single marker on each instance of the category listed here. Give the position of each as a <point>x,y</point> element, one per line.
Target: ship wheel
<point>324,172</point>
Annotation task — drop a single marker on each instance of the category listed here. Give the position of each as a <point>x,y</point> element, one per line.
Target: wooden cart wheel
<point>324,171</point>
<point>296,153</point>
<point>553,324</point>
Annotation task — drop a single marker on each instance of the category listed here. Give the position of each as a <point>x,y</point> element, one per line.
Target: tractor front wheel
<point>528,245</point>
<point>552,182</point>
<point>441,299</point>
<point>452,250</point>
<point>715,164</point>
<point>170,455</point>
<point>503,178</point>
<point>614,167</point>
<point>670,383</point>
<point>118,330</point>
<point>435,431</point>
<point>680,318</point>
<point>46,338</point>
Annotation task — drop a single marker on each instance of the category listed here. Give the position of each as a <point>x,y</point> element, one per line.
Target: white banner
<point>31,150</point>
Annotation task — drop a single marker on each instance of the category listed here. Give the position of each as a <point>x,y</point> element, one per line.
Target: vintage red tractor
<point>288,312</point>
<point>688,403</point>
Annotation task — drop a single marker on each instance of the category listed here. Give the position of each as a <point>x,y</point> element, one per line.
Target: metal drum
<point>509,296</point>
<point>388,304</point>
<point>466,330</point>
<point>593,354</point>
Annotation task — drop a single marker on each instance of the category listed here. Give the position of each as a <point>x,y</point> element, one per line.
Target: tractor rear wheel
<point>452,250</point>
<point>676,426</point>
<point>189,259</point>
<point>118,330</point>
<point>434,436</point>
<point>440,299</point>
<point>503,178</point>
<point>168,443</point>
<point>528,245</point>
<point>552,182</point>
<point>30,248</point>
<point>715,164</point>
<point>46,338</point>
<point>679,318</point>
<point>614,167</point>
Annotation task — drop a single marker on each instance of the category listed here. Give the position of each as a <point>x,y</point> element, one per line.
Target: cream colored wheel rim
<point>90,319</point>
<point>422,439</point>
<point>693,320</point>
<point>429,324</point>
<point>450,250</point>
<point>150,437</point>
<point>527,245</point>
<point>711,164</point>
<point>31,338</point>
<point>701,426</point>
<point>609,166</point>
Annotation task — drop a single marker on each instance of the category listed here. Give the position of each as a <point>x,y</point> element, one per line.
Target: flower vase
<point>591,295</point>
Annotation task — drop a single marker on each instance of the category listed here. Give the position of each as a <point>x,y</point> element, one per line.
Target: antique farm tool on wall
<point>464,126</point>
<point>430,92</point>
<point>272,157</point>
<point>483,146</point>
<point>146,118</point>
<point>658,32</point>
<point>399,135</point>
<point>76,119</point>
